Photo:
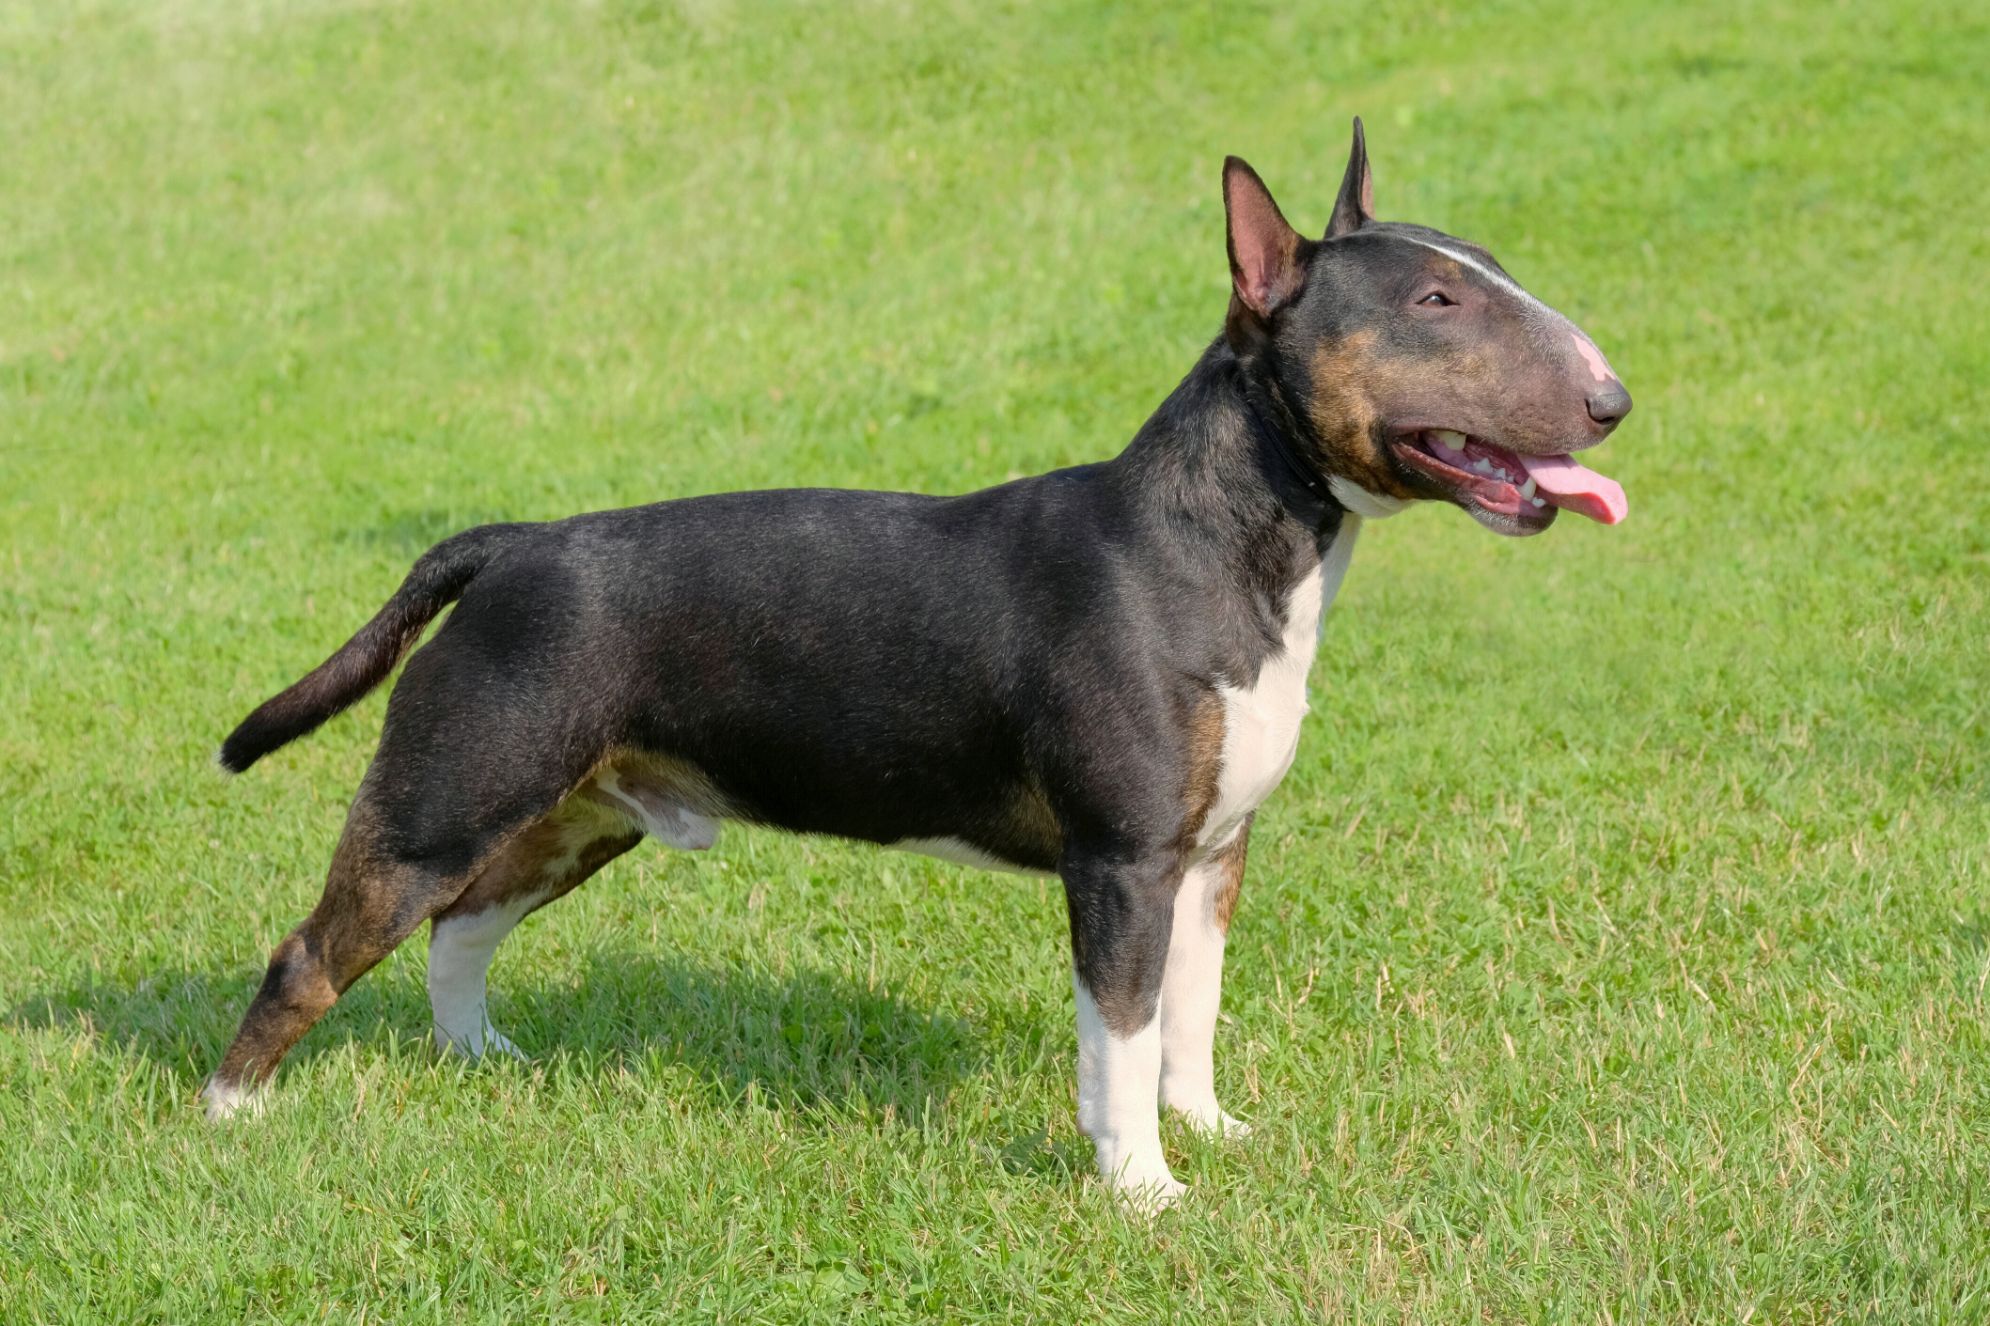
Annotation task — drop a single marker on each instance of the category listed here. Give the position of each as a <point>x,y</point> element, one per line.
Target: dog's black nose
<point>1608,405</point>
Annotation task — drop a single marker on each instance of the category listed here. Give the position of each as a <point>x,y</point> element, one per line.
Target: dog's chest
<point>1261,720</point>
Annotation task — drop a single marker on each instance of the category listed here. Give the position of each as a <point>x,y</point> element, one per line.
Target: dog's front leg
<point>1122,914</point>
<point>1192,989</point>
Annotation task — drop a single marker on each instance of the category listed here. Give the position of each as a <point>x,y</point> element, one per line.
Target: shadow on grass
<point>808,1039</point>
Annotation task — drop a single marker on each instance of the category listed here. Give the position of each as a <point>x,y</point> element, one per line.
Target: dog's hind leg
<point>409,850</point>
<point>607,815</point>
<point>547,861</point>
<point>374,898</point>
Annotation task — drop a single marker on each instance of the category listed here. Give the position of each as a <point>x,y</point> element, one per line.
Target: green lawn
<point>1616,951</point>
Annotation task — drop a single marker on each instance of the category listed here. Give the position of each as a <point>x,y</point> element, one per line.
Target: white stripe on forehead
<point>1497,278</point>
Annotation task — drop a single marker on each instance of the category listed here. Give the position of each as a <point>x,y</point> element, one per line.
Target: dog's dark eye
<point>1438,298</point>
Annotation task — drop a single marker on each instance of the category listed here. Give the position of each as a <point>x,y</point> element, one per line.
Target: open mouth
<point>1512,491</point>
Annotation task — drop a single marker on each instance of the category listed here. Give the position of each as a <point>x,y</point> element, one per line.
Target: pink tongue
<point>1573,488</point>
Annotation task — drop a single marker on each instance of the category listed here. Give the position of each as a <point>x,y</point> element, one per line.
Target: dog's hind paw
<point>225,1100</point>
<point>496,1042</point>
<point>480,1043</point>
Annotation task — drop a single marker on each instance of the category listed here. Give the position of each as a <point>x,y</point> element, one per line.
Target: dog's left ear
<point>1355,207</point>
<point>1267,265</point>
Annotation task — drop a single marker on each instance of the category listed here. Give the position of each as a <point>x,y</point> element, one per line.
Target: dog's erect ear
<point>1355,207</point>
<point>1265,259</point>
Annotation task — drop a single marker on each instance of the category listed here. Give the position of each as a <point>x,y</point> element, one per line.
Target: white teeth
<point>1447,445</point>
<point>1482,465</point>
<point>1527,489</point>
<point>1537,501</point>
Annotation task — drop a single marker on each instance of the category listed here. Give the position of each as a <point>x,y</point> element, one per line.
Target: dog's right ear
<point>1266,260</point>
<point>1355,207</point>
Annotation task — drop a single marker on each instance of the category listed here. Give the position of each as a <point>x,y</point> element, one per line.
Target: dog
<point>1098,673</point>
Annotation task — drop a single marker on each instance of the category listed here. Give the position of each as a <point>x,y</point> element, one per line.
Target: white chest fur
<point>1261,721</point>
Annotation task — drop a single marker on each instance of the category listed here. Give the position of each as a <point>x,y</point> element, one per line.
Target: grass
<point>1616,951</point>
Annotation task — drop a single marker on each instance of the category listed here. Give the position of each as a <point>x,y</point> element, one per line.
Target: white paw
<point>1207,1117</point>
<point>481,1040</point>
<point>225,1100</point>
<point>1148,1196</point>
<point>1139,1175</point>
<point>496,1042</point>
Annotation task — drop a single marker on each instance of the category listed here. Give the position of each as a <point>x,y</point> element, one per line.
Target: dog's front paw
<point>1139,1175</point>
<point>1225,1126</point>
<point>1148,1196</point>
<point>1209,1119</point>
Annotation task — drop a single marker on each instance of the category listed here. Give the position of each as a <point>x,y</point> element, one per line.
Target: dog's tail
<point>364,661</point>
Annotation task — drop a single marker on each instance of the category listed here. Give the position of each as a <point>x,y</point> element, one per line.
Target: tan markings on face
<point>1229,861</point>
<point>1203,754</point>
<point>1348,377</point>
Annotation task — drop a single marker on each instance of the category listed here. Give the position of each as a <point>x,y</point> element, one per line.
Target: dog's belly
<point>681,805</point>
<point>963,853</point>
<point>1261,721</point>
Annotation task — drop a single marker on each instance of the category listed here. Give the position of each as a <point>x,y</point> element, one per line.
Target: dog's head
<point>1410,365</point>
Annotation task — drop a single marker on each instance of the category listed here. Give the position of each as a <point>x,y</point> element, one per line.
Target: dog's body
<point>1098,672</point>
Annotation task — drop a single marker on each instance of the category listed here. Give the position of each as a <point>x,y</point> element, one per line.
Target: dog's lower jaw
<point>1367,505</point>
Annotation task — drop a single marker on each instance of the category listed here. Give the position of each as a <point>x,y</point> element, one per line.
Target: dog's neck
<point>1219,461</point>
